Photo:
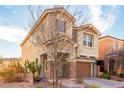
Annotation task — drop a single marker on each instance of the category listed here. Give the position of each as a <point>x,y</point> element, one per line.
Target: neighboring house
<point>111,54</point>
<point>84,56</point>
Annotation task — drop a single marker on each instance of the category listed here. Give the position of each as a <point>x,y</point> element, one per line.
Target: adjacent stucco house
<point>111,55</point>
<point>84,55</point>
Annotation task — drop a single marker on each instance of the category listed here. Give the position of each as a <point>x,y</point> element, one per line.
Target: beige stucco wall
<point>31,51</point>
<point>87,51</point>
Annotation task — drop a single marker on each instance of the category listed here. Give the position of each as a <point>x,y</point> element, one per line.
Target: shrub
<point>16,67</point>
<point>79,80</point>
<point>122,75</point>
<point>7,75</point>
<point>105,76</point>
<point>11,74</point>
<point>34,68</point>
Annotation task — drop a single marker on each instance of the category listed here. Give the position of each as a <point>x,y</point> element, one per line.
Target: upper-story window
<point>87,40</point>
<point>113,46</point>
<point>61,24</point>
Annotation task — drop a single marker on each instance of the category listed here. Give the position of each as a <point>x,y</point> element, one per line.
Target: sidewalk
<point>71,84</point>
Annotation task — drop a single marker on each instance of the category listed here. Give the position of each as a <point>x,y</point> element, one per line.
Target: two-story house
<point>111,54</point>
<point>82,58</point>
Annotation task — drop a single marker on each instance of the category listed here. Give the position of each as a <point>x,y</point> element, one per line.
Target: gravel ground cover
<point>16,85</point>
<point>24,85</point>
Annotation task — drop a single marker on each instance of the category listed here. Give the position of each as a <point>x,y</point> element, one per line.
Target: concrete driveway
<point>92,82</point>
<point>103,83</point>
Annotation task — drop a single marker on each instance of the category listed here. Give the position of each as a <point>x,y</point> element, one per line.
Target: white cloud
<point>12,34</point>
<point>102,20</point>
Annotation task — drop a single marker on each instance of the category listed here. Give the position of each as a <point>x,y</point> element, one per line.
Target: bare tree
<point>55,42</point>
<point>36,11</point>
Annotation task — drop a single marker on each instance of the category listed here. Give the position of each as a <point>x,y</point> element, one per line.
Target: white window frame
<point>87,40</point>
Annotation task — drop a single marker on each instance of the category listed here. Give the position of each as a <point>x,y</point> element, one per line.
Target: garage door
<point>83,69</point>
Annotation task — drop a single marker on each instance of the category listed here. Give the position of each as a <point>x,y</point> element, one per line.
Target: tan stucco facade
<point>111,50</point>
<point>106,45</point>
<point>84,50</point>
<point>31,52</point>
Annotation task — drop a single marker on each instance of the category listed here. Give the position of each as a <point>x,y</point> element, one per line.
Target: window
<point>61,25</point>
<point>87,40</point>
<point>90,40</point>
<point>113,46</point>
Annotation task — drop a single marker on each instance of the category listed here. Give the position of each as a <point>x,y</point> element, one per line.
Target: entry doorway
<point>65,71</point>
<point>43,59</point>
<point>111,66</point>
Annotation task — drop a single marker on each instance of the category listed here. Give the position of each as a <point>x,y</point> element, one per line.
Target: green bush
<point>79,80</point>
<point>105,76</point>
<point>34,68</point>
<point>122,75</point>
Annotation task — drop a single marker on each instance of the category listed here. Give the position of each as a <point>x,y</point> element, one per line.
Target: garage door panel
<point>83,69</point>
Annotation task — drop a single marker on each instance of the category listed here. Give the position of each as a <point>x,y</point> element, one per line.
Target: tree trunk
<point>56,77</point>
<point>33,78</point>
<point>53,75</point>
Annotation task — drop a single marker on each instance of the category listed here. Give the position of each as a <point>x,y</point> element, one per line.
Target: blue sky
<point>14,22</point>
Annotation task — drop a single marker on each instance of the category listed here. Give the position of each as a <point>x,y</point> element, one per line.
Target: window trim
<point>59,20</point>
<point>87,41</point>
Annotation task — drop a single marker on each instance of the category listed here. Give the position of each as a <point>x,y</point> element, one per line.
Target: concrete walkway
<point>103,83</point>
<point>70,84</point>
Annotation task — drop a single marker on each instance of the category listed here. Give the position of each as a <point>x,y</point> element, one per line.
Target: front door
<point>111,66</point>
<point>43,59</point>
